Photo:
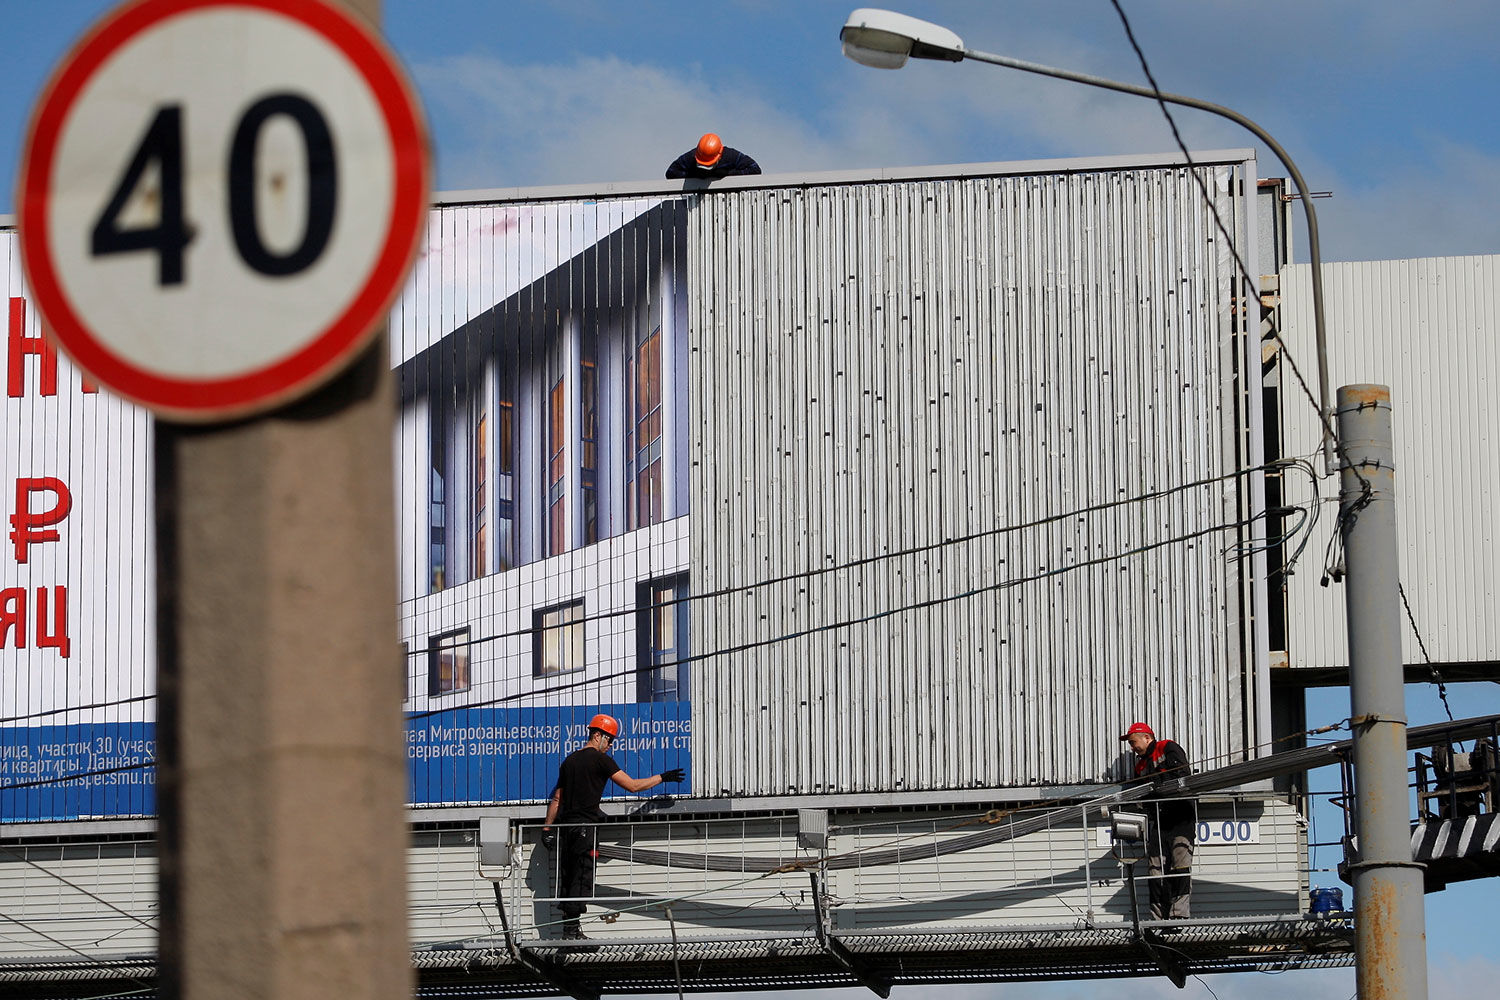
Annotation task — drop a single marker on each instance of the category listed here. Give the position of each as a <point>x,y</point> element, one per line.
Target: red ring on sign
<point>329,350</point>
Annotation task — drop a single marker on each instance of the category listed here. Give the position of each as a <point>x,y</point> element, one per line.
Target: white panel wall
<point>1429,329</point>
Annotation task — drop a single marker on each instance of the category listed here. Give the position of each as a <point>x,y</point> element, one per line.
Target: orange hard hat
<point>605,724</point>
<point>710,148</point>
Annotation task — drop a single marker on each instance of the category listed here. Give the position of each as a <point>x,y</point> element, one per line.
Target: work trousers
<point>1169,851</point>
<point>576,860</point>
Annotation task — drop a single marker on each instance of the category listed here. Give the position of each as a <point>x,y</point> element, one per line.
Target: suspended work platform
<point>882,959</point>
<point>697,901</point>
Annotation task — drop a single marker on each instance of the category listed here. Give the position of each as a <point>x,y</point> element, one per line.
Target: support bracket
<point>1150,940</point>
<point>872,981</point>
<point>1164,958</point>
<point>542,969</point>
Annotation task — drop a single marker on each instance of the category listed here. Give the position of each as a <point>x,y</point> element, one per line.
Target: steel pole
<point>1390,928</point>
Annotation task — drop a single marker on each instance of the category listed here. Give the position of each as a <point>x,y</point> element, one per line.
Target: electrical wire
<point>44,782</point>
<point>1249,283</point>
<point>1432,670</point>
<point>699,658</point>
<point>77,708</point>
<point>93,960</point>
<point>77,888</point>
<point>746,588</point>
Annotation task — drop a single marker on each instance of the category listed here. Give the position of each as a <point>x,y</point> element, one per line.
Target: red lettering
<point>28,527</point>
<point>22,345</point>
<point>19,345</point>
<point>57,637</point>
<point>13,615</point>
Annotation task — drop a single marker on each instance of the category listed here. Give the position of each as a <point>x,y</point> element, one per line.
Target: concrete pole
<point>1390,927</point>
<point>281,768</point>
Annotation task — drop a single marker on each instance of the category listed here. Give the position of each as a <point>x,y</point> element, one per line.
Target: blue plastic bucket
<point>1326,901</point>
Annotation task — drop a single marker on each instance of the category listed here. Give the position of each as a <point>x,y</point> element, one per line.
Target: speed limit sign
<point>220,198</point>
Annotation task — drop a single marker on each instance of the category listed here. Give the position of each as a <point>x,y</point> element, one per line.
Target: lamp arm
<point>1314,248</point>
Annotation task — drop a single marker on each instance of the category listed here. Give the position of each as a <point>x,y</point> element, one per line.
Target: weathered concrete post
<point>283,861</point>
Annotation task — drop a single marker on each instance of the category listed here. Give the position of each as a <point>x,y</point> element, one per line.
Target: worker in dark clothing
<point>575,805</point>
<point>1173,827</point>
<point>710,159</point>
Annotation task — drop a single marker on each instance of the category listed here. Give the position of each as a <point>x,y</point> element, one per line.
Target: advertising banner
<point>76,600</point>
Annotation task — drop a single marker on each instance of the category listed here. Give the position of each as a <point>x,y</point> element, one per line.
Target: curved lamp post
<point>885,40</point>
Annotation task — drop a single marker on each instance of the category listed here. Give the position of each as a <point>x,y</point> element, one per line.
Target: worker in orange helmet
<point>575,805</point>
<point>1174,823</point>
<point>711,158</point>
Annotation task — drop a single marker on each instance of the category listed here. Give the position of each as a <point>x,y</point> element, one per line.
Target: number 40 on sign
<point>220,198</point>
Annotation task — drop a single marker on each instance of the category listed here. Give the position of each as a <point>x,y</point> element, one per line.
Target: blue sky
<point>1381,102</point>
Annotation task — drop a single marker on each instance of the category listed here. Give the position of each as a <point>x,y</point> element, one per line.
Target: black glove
<point>549,839</point>
<point>673,774</point>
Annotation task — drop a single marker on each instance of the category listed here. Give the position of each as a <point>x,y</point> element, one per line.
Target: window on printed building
<point>557,500</point>
<point>448,662</point>
<point>588,424</point>
<point>644,437</point>
<point>478,512</point>
<point>505,509</point>
<point>557,639</point>
<point>437,520</point>
<point>662,639</point>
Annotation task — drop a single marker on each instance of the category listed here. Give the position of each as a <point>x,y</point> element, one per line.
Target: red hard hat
<point>1138,727</point>
<point>605,724</point>
<point>710,148</point>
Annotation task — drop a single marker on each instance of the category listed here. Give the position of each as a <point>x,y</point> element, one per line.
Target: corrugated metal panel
<point>890,367</point>
<point>1428,328</point>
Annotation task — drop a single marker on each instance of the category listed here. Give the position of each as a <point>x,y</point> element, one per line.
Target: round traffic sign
<point>219,200</point>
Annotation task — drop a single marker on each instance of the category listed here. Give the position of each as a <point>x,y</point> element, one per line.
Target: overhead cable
<point>698,658</point>
<point>1252,291</point>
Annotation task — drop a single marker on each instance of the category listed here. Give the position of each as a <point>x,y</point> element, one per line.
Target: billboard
<point>76,599</point>
<point>966,462</point>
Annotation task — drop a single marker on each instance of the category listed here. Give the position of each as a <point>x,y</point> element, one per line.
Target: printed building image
<point>542,356</point>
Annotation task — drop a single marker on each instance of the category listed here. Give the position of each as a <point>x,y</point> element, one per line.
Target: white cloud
<point>505,123</point>
<point>1448,205</point>
<point>594,119</point>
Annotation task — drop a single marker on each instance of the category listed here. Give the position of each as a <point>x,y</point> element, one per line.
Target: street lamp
<point>885,39</point>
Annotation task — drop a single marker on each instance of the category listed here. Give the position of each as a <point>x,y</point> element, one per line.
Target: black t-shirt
<point>581,779</point>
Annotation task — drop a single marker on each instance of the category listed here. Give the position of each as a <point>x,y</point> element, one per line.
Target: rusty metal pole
<point>282,776</point>
<point>1390,927</point>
